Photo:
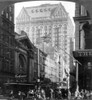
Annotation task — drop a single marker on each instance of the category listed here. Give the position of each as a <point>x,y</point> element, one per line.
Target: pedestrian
<point>43,94</point>
<point>11,94</point>
<point>20,95</point>
<point>30,94</point>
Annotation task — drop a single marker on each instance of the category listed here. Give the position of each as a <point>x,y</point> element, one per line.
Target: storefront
<point>85,69</point>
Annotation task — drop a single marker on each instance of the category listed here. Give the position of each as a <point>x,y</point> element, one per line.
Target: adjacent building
<point>52,70</point>
<point>23,57</point>
<point>83,47</point>
<point>49,28</point>
<point>7,45</point>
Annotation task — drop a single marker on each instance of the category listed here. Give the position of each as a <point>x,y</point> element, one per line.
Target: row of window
<point>7,26</point>
<point>6,66</point>
<point>6,52</point>
<point>8,13</point>
<point>40,10</point>
<point>9,40</point>
<point>48,28</point>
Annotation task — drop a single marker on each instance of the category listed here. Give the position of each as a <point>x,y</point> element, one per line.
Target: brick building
<point>7,45</point>
<point>14,54</point>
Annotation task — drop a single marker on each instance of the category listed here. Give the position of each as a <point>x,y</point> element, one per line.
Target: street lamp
<point>77,86</point>
<point>38,82</point>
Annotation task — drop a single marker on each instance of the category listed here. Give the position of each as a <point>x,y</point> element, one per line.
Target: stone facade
<point>83,48</point>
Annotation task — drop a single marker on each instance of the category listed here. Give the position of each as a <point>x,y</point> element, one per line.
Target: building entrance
<point>84,70</point>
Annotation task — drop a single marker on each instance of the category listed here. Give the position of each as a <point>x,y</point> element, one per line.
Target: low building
<point>24,57</point>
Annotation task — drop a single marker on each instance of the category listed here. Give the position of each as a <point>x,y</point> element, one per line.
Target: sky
<point>69,6</point>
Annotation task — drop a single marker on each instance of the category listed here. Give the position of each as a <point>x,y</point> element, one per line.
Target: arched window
<point>22,64</point>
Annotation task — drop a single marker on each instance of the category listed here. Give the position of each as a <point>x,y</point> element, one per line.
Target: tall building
<point>83,47</point>
<point>49,27</point>
<point>7,44</point>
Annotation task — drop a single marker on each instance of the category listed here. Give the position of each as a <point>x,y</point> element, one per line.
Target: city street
<point>45,52</point>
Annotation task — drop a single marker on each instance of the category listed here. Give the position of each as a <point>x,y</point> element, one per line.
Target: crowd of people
<point>83,94</point>
<point>33,94</point>
<point>38,93</point>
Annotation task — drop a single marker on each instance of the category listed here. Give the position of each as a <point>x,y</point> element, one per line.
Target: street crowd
<point>32,94</point>
<point>49,94</point>
<point>37,93</point>
<point>83,94</point>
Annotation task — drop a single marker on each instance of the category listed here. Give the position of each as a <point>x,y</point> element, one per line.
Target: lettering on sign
<point>82,53</point>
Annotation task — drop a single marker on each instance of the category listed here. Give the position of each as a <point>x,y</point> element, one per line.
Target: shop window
<point>89,65</point>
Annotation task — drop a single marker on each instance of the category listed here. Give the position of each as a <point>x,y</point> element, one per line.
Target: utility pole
<point>59,69</point>
<point>38,65</point>
<point>38,79</point>
<point>77,74</point>
<point>77,67</point>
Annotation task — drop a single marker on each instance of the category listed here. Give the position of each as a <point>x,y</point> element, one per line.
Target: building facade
<point>14,54</point>
<point>7,45</point>
<point>49,27</point>
<point>22,57</point>
<point>83,47</point>
<point>51,70</point>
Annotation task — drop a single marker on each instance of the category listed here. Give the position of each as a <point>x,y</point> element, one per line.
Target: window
<point>32,11</point>
<point>10,18</point>
<point>1,50</point>
<point>11,67</point>
<point>32,29</point>
<point>36,10</point>
<point>83,11</point>
<point>56,34</point>
<point>2,12</point>
<point>49,9</point>
<point>0,64</point>
<point>40,10</point>
<point>5,67</point>
<point>38,40</point>
<point>22,64</point>
<point>7,15</point>
<point>45,9</point>
<point>50,29</point>
<point>7,39</point>
<point>10,8</point>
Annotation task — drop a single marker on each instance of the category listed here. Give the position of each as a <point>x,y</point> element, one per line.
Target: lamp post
<point>38,65</point>
<point>38,79</point>
<point>59,69</point>
<point>68,86</point>
<point>77,74</point>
